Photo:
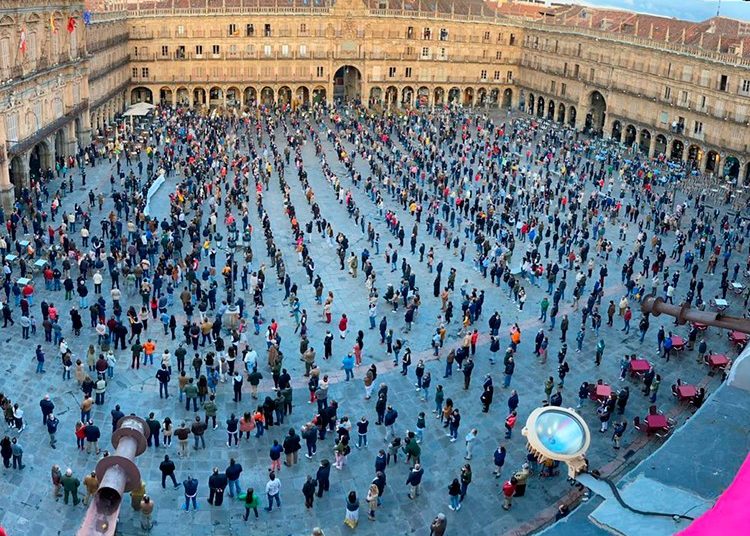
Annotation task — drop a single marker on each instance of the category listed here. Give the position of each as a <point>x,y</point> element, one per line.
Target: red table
<point>738,337</point>
<point>718,360</point>
<point>603,391</point>
<point>685,391</point>
<point>699,326</point>
<point>677,342</point>
<point>657,422</point>
<point>639,365</point>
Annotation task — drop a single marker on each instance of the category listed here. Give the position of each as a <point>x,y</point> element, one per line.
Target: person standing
<point>167,468</point>
<point>56,476</point>
<point>233,472</point>
<point>217,483</point>
<point>510,422</point>
<point>454,493</point>
<point>91,483</point>
<point>163,376</point>
<point>438,525</point>
<point>52,424</point>
<point>191,491</point>
<point>17,452</point>
<point>373,495</point>
<point>414,481</point>
<point>498,458</point>
<point>323,477</point>
<point>308,490</point>
<point>619,430</point>
<point>470,438</point>
<point>70,486</point>
<point>251,503</point>
<point>352,510</point>
<point>147,511</point>
<point>509,489</point>
<point>273,491</point>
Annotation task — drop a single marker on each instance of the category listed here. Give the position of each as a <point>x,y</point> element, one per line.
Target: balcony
<point>141,34</point>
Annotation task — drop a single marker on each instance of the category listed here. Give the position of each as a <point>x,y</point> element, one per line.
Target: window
<point>509,77</point>
<point>664,118</point>
<point>426,34</point>
<point>215,50</point>
<point>135,72</point>
<point>578,51</point>
<point>592,74</point>
<point>233,30</point>
<point>697,127</point>
<point>391,72</point>
<point>667,92</point>
<point>499,55</point>
<point>11,126</point>
<point>684,97</point>
<point>443,34</point>
<point>303,29</point>
<point>232,50</point>
<point>303,50</point>
<point>745,86</point>
<point>249,30</point>
<point>144,72</point>
<point>687,73</point>
<point>486,36</point>
<point>552,86</point>
<point>703,101</point>
<point>563,89</point>
<point>576,69</point>
<point>409,51</point>
<point>180,52</point>
<point>496,76</point>
<point>410,32</point>
<point>483,75</point>
<point>284,50</point>
<point>165,50</point>
<point>180,30</point>
<point>407,72</point>
<point>565,69</point>
<point>267,30</point>
<point>442,54</point>
<point>512,40</point>
<point>199,50</point>
<point>723,82</point>
<point>267,50</point>
<point>319,72</point>
<point>425,52</point>
<point>669,69</point>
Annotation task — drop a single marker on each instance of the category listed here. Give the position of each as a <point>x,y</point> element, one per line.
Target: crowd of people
<point>253,269</point>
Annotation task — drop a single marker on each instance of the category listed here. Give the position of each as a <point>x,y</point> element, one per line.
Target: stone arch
<point>407,96</point>
<point>540,106</point>
<point>468,96</point>
<point>481,96</point>
<point>303,95</point>
<point>165,95</point>
<point>18,175</point>
<point>284,95</point>
<point>347,83</point>
<point>319,95</point>
<point>391,96</point>
<point>183,96</point>
<point>215,97</point>
<point>630,135</point>
<point>199,97</point>
<point>695,155</point>
<point>141,94</point>
<point>616,130</point>
<point>233,96</point>
<point>644,143</point>
<point>40,159</point>
<point>531,104</point>
<point>731,168</point>
<point>572,115</point>
<point>561,113</point>
<point>454,95</point>
<point>508,98</point>
<point>661,144</point>
<point>494,97</point>
<point>597,112</point>
<point>438,96</point>
<point>251,96</point>
<point>267,96</point>
<point>677,149</point>
<point>60,143</point>
<point>746,181</point>
<point>376,96</point>
<point>712,162</point>
<point>423,96</point>
<point>551,110</point>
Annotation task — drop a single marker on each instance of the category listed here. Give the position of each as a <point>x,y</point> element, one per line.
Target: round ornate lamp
<point>559,434</point>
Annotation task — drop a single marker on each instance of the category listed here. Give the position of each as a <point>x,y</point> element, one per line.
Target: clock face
<point>560,433</point>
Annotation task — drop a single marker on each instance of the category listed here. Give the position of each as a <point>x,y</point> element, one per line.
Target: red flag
<point>22,44</point>
<point>71,24</point>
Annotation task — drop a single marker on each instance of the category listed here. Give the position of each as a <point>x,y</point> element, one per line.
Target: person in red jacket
<point>509,489</point>
<point>343,323</point>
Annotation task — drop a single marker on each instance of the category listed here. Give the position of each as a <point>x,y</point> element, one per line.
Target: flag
<point>52,25</point>
<point>22,44</point>
<point>71,24</point>
<point>87,17</point>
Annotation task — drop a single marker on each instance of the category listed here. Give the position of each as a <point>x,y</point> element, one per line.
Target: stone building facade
<point>662,86</point>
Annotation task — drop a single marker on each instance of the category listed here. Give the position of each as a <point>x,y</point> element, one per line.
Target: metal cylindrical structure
<point>684,314</point>
<point>117,474</point>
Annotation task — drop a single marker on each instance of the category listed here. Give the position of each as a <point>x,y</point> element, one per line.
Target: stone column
<point>7,195</point>
<point>652,147</point>
<point>84,134</point>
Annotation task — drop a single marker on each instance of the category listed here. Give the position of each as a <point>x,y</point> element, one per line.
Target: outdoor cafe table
<point>718,360</point>
<point>656,422</point>
<point>23,281</point>
<point>40,264</point>
<point>685,391</point>
<point>677,342</point>
<point>738,337</point>
<point>603,391</point>
<point>639,365</point>
<point>10,257</point>
<point>738,287</point>
<point>720,304</point>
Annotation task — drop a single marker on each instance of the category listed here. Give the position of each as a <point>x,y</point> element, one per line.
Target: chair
<point>674,391</point>
<point>638,425</point>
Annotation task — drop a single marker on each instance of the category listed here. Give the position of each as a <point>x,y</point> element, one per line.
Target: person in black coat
<point>291,448</point>
<point>322,476</point>
<point>117,414</point>
<point>379,481</point>
<point>217,483</point>
<point>167,471</point>
<point>308,490</point>
<point>487,394</point>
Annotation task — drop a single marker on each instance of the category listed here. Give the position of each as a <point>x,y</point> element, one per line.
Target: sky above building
<point>694,10</point>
